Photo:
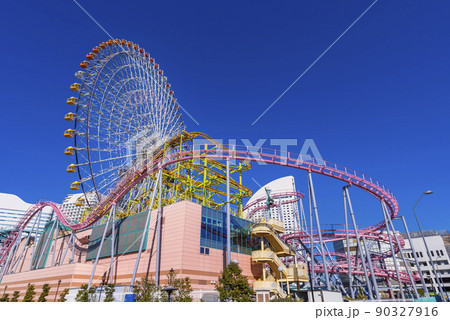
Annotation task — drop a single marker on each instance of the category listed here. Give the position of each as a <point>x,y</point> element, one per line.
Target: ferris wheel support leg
<point>419,269</point>
<point>358,243</point>
<point>311,241</point>
<point>402,255</point>
<point>144,233</point>
<point>45,245</point>
<point>228,214</point>
<point>158,231</point>
<point>319,232</point>
<point>347,239</point>
<point>35,238</point>
<point>67,248</point>
<point>383,206</point>
<point>113,207</point>
<point>54,245</point>
<point>372,273</point>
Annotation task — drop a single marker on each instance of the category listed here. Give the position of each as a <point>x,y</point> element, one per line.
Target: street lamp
<point>425,243</point>
<point>101,288</point>
<point>308,260</point>
<point>170,288</point>
<point>57,288</point>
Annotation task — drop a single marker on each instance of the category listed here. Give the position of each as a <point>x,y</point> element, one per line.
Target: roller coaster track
<point>233,152</point>
<point>279,195</point>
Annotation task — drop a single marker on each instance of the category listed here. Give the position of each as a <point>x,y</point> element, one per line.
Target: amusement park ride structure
<point>130,145</point>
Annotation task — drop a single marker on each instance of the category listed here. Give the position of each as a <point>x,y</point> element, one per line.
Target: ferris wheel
<point>124,112</point>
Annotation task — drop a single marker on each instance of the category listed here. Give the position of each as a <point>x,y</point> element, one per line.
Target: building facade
<point>75,212</point>
<point>12,209</point>
<point>436,243</point>
<point>193,240</point>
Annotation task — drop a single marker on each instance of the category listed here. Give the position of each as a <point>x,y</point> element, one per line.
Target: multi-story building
<point>192,244</point>
<point>12,209</point>
<point>439,256</point>
<point>285,208</point>
<point>375,248</point>
<point>76,210</point>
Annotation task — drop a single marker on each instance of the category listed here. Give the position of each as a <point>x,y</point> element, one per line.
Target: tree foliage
<point>85,294</point>
<point>361,295</point>
<point>183,292</point>
<point>233,286</point>
<point>15,296</point>
<point>62,296</point>
<point>44,294</point>
<point>29,295</point>
<point>288,299</point>
<point>5,297</point>
<point>146,290</point>
<point>109,293</point>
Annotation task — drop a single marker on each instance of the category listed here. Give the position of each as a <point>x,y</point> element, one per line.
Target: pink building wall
<point>180,250</point>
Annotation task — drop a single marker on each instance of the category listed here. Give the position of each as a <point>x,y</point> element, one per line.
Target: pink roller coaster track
<point>263,155</point>
<point>296,197</point>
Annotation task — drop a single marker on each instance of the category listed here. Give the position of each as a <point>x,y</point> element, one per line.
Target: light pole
<point>57,288</point>
<point>426,246</point>
<point>308,260</point>
<point>170,288</point>
<point>101,288</point>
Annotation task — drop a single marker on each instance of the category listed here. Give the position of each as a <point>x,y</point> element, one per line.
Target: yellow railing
<point>271,286</point>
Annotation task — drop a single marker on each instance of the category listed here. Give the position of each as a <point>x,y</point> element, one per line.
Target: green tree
<point>62,296</point>
<point>361,295</point>
<point>109,293</point>
<point>85,294</point>
<point>233,285</point>
<point>184,289</point>
<point>146,290</point>
<point>44,294</point>
<point>5,297</point>
<point>288,299</point>
<point>15,296</point>
<point>29,295</point>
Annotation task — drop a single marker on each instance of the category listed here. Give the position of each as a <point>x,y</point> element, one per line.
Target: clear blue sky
<point>377,102</point>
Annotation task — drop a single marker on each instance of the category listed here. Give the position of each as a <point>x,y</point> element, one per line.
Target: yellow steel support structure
<point>269,254</point>
<point>201,181</point>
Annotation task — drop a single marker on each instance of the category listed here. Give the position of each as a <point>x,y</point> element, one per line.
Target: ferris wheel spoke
<point>107,159</point>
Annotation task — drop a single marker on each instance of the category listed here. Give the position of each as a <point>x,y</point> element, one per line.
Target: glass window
<point>202,250</point>
<point>203,232</point>
<point>214,234</point>
<point>206,250</point>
